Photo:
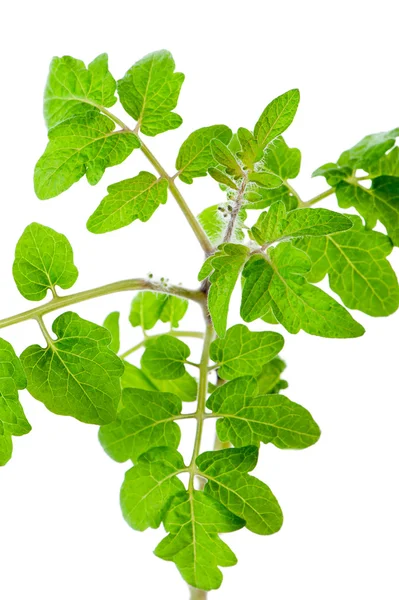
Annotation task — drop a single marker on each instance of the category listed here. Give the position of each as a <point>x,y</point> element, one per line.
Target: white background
<point>61,531</point>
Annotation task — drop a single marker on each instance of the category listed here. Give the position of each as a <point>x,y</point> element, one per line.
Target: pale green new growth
<point>237,381</point>
<point>76,374</point>
<point>43,260</point>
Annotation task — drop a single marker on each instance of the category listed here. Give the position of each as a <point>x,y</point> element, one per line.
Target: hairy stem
<point>190,334</point>
<point>319,197</point>
<point>236,210</point>
<point>197,594</point>
<point>111,288</point>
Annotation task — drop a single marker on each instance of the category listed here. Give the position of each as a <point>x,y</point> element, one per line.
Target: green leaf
<point>222,178</point>
<point>250,152</point>
<point>386,165</point>
<point>146,309</point>
<point>369,149</point>
<point>267,197</point>
<point>277,224</point>
<point>264,179</point>
<point>193,522</point>
<point>128,200</point>
<point>184,387</point>
<point>269,381</point>
<point>112,324</point>
<point>276,118</point>
<point>215,219</point>
<point>380,202</point>
<point>149,486</point>
<point>223,156</point>
<point>248,418</point>
<point>76,374</point>
<point>12,417</point>
<point>242,494</point>
<point>222,269</point>
<point>282,160</point>
<point>244,352</point>
<point>149,92</point>
<point>357,267</point>
<point>74,90</point>
<point>279,283</point>
<point>43,260</point>
<point>145,421</point>
<point>333,173</point>
<point>83,145</point>
<point>195,155</point>
<point>173,310</point>
<point>165,356</point>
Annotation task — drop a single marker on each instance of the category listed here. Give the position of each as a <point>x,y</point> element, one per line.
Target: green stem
<point>193,222</point>
<point>319,197</point>
<point>294,193</point>
<point>201,399</point>
<point>197,594</point>
<point>111,288</point>
<point>191,334</point>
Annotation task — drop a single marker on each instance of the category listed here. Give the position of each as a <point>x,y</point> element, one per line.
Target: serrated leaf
<point>149,92</point>
<point>149,486</point>
<point>333,173</point>
<point>195,155</point>
<point>225,157</point>
<point>165,357</point>
<point>12,417</point>
<point>146,309</point>
<point>276,224</point>
<point>380,202</point>
<point>223,269</point>
<point>111,323</point>
<point>357,267</point>
<point>222,178</point>
<point>215,219</point>
<point>74,90</point>
<point>244,352</point>
<point>369,149</point>
<point>279,283</point>
<point>145,421</point>
<point>250,152</point>
<point>246,496</point>
<point>269,381</point>
<point>184,387</point>
<point>193,522</point>
<point>276,118</point>
<point>83,145</point>
<point>43,260</point>
<point>173,310</point>
<point>248,418</point>
<point>128,200</point>
<point>282,160</point>
<point>76,374</point>
<point>386,165</point>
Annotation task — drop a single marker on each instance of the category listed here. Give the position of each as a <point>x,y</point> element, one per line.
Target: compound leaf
<point>279,283</point>
<point>43,260</point>
<point>193,522</point>
<point>244,352</point>
<point>269,381</point>
<point>223,269</point>
<point>333,173</point>
<point>146,420</point>
<point>357,267</point>
<point>223,156</point>
<point>128,200</point>
<point>195,155</point>
<point>276,118</point>
<point>149,92</point>
<point>248,418</point>
<point>386,165</point>
<point>146,309</point>
<point>74,90</point>
<point>111,323</point>
<point>83,145</point>
<point>174,310</point>
<point>380,202</point>
<point>12,417</point>
<point>76,374</point>
<point>164,357</point>
<point>250,152</point>
<point>282,160</point>
<point>149,486</point>
<point>246,496</point>
<point>184,387</point>
<point>369,149</point>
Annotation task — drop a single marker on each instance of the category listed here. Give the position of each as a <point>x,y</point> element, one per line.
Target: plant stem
<point>111,288</point>
<point>191,334</point>
<point>319,197</point>
<point>236,210</point>
<point>294,193</point>
<point>197,594</point>
<point>192,220</point>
